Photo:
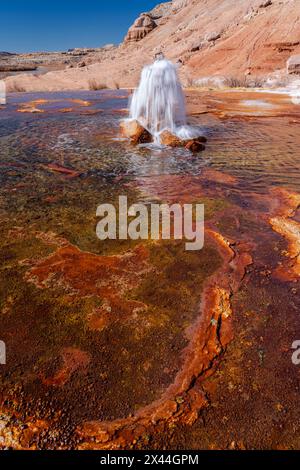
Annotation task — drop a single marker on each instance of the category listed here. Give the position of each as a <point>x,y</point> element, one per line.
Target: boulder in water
<point>194,145</point>
<point>167,138</point>
<point>134,131</point>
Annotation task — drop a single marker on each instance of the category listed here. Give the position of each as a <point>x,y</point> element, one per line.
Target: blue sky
<point>44,25</point>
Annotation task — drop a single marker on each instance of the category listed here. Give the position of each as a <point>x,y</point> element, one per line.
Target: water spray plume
<point>158,103</point>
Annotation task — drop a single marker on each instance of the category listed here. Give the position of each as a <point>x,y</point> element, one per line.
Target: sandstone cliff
<point>210,37</point>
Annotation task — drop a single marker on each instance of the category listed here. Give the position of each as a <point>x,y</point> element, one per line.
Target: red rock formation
<point>212,38</point>
<point>285,208</point>
<point>290,230</point>
<point>141,27</point>
<point>194,145</point>
<point>134,131</point>
<point>167,138</point>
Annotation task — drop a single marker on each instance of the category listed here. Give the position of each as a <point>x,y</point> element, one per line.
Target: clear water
<point>259,152</point>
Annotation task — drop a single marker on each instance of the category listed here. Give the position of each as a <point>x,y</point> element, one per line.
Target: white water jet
<point>158,103</point>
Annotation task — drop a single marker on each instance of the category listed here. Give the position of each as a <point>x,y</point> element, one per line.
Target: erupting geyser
<point>158,104</point>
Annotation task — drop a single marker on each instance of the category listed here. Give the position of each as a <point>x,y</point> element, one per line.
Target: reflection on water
<point>259,152</point>
<point>258,103</point>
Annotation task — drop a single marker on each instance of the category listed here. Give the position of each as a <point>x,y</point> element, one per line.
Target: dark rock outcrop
<point>195,146</point>
<point>5,54</point>
<point>265,4</point>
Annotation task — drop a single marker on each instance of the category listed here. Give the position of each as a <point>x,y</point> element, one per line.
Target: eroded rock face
<point>178,4</point>
<point>134,131</point>
<point>141,27</point>
<point>161,10</point>
<point>293,64</point>
<point>210,37</point>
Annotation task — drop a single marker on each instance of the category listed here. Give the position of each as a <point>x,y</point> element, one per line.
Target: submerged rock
<point>134,131</point>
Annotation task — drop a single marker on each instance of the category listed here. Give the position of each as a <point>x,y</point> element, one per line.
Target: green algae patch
<point>173,288</point>
<point>212,206</point>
